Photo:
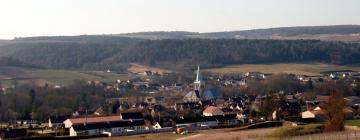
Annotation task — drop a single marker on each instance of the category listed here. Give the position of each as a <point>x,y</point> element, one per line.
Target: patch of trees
<point>9,61</point>
<point>116,54</point>
<point>39,103</point>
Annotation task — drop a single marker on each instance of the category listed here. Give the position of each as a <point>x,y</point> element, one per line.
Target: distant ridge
<point>347,33</point>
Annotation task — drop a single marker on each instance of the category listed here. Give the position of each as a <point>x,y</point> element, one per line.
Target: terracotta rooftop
<point>210,109</point>
<point>95,119</point>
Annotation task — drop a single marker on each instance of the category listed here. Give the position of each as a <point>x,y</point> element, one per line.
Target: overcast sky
<point>21,18</point>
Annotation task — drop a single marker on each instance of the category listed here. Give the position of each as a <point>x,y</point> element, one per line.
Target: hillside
<point>174,50</point>
<point>348,33</point>
<point>118,53</point>
<point>290,31</point>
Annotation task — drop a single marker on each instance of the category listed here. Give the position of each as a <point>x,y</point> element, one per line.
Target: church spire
<point>198,81</point>
<point>198,74</point>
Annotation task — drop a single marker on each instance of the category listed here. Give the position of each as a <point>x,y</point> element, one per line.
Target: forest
<point>101,52</point>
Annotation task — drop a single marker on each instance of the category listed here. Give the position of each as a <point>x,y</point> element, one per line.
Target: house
<point>110,128</point>
<point>195,122</point>
<point>317,113</point>
<point>56,121</point>
<point>192,96</point>
<point>257,75</point>
<point>74,121</point>
<point>156,125</point>
<point>112,125</point>
<point>312,115</point>
<point>148,73</point>
<point>212,111</point>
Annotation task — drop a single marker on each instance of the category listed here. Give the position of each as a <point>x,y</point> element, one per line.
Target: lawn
<point>352,123</point>
<point>311,69</point>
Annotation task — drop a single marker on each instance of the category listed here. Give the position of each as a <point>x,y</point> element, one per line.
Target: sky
<point>23,18</point>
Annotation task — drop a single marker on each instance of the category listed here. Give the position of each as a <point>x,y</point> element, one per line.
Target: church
<point>200,91</point>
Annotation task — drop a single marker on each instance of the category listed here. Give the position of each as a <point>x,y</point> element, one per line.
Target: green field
<point>353,122</point>
<point>63,77</point>
<point>311,69</point>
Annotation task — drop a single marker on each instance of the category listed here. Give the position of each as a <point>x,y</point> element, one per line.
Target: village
<point>199,105</point>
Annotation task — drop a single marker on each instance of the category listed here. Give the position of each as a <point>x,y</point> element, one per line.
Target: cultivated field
<point>137,68</point>
<point>63,77</point>
<point>311,69</point>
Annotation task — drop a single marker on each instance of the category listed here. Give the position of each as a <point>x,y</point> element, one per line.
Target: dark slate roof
<point>104,125</point>
<point>135,115</point>
<point>58,119</point>
<point>90,126</point>
<point>127,123</point>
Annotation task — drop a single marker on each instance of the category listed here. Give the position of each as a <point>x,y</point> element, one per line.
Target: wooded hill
<point>110,52</point>
<point>348,33</point>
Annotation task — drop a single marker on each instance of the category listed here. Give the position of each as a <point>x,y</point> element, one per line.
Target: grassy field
<point>137,68</point>
<point>62,77</point>
<point>311,69</point>
<point>290,131</point>
<point>353,123</point>
<point>65,76</point>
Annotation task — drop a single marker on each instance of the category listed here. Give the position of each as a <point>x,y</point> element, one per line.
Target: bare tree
<point>333,112</point>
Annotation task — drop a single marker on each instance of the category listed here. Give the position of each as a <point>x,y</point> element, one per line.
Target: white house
<point>111,125</point>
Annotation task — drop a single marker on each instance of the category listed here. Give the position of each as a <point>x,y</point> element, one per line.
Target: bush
<point>288,131</point>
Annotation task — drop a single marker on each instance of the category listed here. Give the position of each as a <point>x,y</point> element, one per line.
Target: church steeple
<point>198,74</point>
<point>198,81</point>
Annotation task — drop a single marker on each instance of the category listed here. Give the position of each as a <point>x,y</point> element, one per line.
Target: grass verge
<point>289,131</point>
<point>352,123</point>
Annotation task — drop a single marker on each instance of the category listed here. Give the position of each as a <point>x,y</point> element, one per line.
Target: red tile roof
<point>210,109</point>
<point>94,119</point>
